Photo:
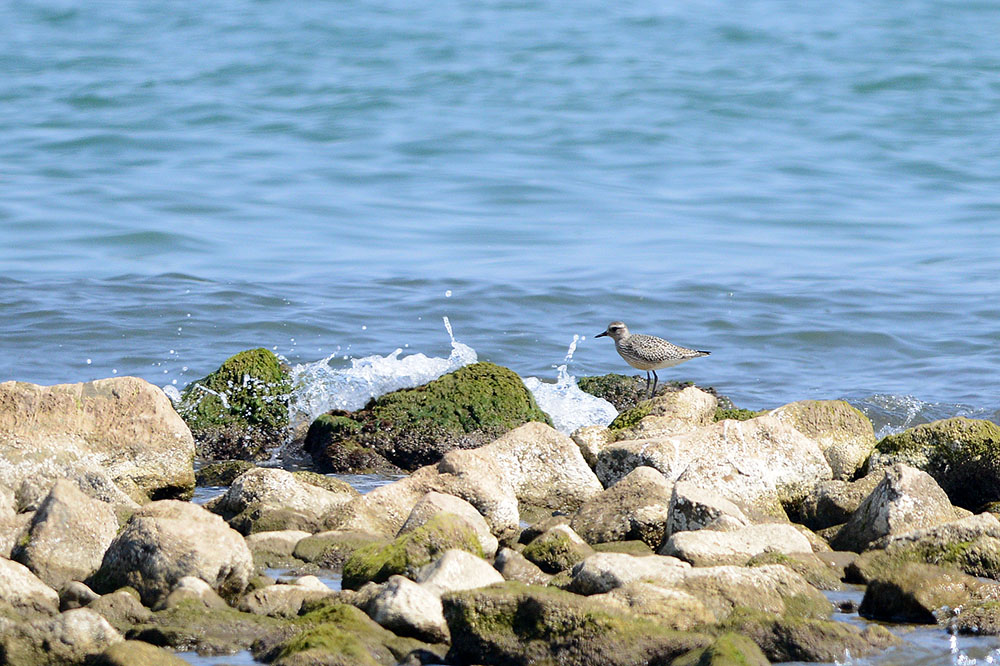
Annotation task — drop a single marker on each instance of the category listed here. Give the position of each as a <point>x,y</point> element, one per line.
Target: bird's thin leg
<point>655,379</point>
<point>647,381</point>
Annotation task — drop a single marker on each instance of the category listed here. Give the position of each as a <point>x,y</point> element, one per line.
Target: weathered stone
<point>963,456</point>
<point>331,549</point>
<point>919,593</point>
<point>167,540</point>
<point>192,626</point>
<point>75,595</point>
<point>518,625</point>
<point>693,508</point>
<point>844,433</point>
<point>121,609</point>
<point>239,411</point>
<point>267,499</point>
<point>408,609</point>
<point>603,572</point>
<point>434,503</point>
<point>137,653</point>
<point>711,547</point>
<point>68,536</point>
<point>761,462</point>
<point>815,570</point>
<point>978,619</point>
<point>123,428</point>
<point>23,593</point>
<point>667,607</point>
<point>637,507</point>
<point>728,650</point>
<point>972,544</point>
<point>13,531</point>
<point>191,589</point>
<point>222,473</point>
<point>905,500</point>
<point>592,440</point>
<point>512,565</point>
<point>457,570</point>
<point>413,427</point>
<point>670,413</point>
<point>275,546</point>
<point>70,638</point>
<point>557,549</point>
<point>833,502</point>
<point>410,551</point>
<point>282,600</point>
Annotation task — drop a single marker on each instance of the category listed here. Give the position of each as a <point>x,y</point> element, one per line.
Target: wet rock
<point>622,391</point>
<point>557,549</point>
<point>512,565</point>
<point>919,593</point>
<point>693,508</point>
<point>267,499</point>
<point>761,462</point>
<point>963,456</point>
<point>111,432</point>
<point>671,413</point>
<point>330,549</point>
<point>637,507</point>
<point>457,570</point>
<point>727,650</point>
<point>333,441</point>
<point>603,572</point>
<point>23,594</point>
<point>434,503</point>
<point>833,502</point>
<point>67,536</point>
<point>239,411</point>
<point>137,653</point>
<point>70,638</point>
<point>409,609</point>
<point>167,540</point>
<point>905,500</point>
<point>978,619</point>
<point>410,551</point>
<point>191,590</point>
<point>192,626</point>
<point>283,600</point>
<point>711,547</point>
<point>670,608</point>
<point>222,473</point>
<point>121,609</point>
<point>488,627</point>
<point>844,433</point>
<point>273,547</point>
<point>415,427</point>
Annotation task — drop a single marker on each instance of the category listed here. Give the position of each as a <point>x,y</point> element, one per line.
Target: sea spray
<point>319,387</point>
<point>568,406</point>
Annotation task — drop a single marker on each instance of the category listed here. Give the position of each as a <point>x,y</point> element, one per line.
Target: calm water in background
<point>813,193</point>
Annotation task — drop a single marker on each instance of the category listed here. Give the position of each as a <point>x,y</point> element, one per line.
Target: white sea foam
<point>319,387</point>
<point>568,406</point>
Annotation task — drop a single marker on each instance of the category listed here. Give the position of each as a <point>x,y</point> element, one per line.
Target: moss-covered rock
<point>792,637</point>
<point>415,427</point>
<point>736,414</point>
<point>918,593</point>
<point>137,653</point>
<point>514,624</point>
<point>806,565</point>
<point>727,650</point>
<point>963,456</point>
<point>240,411</point>
<point>622,391</point>
<point>192,626</point>
<point>331,549</point>
<point>221,473</point>
<point>410,551</point>
<point>557,549</point>
<point>842,431</point>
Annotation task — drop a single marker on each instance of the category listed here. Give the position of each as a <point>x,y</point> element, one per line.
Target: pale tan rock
<point>635,508</point>
<point>712,548</point>
<point>844,433</point>
<point>409,609</point>
<point>434,503</point>
<point>457,570</point>
<point>674,413</point>
<point>23,592</point>
<point>592,440</point>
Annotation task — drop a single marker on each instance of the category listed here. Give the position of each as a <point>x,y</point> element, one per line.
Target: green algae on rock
<point>414,427</point>
<point>727,650</point>
<point>410,551</point>
<point>962,454</point>
<point>512,623</point>
<point>240,411</point>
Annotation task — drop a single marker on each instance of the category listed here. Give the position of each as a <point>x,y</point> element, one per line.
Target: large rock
<point>729,649</point>
<point>331,549</point>
<point>761,462</point>
<point>70,638</point>
<point>671,413</point>
<point>408,609</point>
<point>512,565</point>
<point>667,607</point>
<point>415,427</point>
<point>137,653</point>
<point>283,600</point>
<point>240,411</point>
<point>122,429</point>
<point>434,503</point>
<point>121,609</point>
<point>844,434</point>
<point>704,548</point>
<point>694,508</point>
<point>457,570</point>
<point>833,502</point>
<point>557,549</point>
<point>531,466</point>
<point>963,456</point>
<point>167,540</point>
<point>905,500</point>
<point>516,624</point>
<point>68,536</point>
<point>266,499</point>
<point>22,593</point>
<point>635,508</point>
<point>919,593</point>
<point>972,544</point>
<point>603,572</point>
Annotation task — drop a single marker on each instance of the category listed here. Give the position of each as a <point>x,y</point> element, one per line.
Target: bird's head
<point>616,331</point>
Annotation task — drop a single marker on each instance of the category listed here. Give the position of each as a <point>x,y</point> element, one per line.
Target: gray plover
<point>647,352</point>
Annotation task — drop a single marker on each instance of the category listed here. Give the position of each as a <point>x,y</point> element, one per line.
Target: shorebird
<point>647,352</point>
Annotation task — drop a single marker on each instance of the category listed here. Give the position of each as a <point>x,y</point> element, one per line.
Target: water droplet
<point>364,328</point>
<point>114,371</point>
<point>447,294</point>
<point>89,361</point>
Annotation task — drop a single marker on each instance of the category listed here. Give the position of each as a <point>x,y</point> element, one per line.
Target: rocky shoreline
<point>686,532</point>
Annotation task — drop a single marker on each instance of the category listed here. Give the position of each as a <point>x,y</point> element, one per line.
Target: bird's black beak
<point>601,335</point>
